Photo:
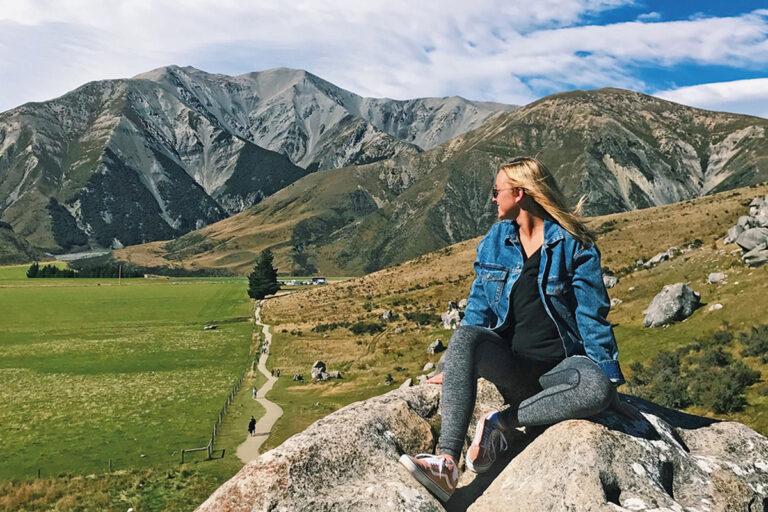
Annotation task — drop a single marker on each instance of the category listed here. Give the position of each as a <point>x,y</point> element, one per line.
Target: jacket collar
<point>553,232</point>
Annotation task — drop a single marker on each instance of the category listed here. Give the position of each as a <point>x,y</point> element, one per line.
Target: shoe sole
<point>423,479</point>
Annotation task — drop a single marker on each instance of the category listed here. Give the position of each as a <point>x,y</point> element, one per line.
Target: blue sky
<point>706,54</point>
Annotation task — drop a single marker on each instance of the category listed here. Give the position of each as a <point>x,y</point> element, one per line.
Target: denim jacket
<point>570,284</point>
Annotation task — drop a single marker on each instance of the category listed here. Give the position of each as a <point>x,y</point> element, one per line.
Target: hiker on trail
<point>272,372</point>
<point>535,326</point>
<point>254,393</point>
<point>252,426</point>
<point>278,372</point>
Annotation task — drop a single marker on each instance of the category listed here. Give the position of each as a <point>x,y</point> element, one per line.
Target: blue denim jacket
<point>570,284</point>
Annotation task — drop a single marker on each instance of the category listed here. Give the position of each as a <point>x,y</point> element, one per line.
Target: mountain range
<point>120,162</point>
<point>621,149</point>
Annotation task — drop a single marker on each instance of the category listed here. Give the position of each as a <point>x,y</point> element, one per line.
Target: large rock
<point>752,238</point>
<point>452,318</point>
<point>716,277</point>
<point>757,256</point>
<point>675,302</point>
<point>317,369</point>
<point>435,347</point>
<point>661,460</point>
<point>733,234</point>
<point>610,281</point>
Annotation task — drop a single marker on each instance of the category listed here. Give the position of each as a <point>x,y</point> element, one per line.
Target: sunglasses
<point>495,190</point>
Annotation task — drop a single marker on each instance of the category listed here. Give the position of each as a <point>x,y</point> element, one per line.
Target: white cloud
<point>741,96</point>
<point>649,16</point>
<point>491,50</point>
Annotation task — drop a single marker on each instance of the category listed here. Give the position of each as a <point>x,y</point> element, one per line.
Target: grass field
<point>92,371</point>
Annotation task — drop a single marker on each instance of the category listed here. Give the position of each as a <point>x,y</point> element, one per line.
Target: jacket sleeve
<point>592,307</point>
<point>478,311</point>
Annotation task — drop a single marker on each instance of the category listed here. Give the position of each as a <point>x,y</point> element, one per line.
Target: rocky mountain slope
<point>121,162</point>
<point>14,249</point>
<point>623,150</point>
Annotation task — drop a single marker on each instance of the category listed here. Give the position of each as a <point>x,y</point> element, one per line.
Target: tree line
<point>97,271</point>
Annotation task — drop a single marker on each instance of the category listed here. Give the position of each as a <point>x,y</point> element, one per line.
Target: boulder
<point>428,367</point>
<point>298,376</point>
<point>716,278</point>
<point>210,327</point>
<point>321,377</point>
<point>435,347</point>
<point>752,238</point>
<point>334,374</point>
<point>616,301</point>
<point>660,460</point>
<point>389,380</point>
<point>662,256</point>
<point>757,256</point>
<point>317,369</point>
<point>715,307</point>
<point>746,222</point>
<point>675,302</point>
<point>463,303</point>
<point>733,234</point>
<point>386,315</point>
<point>610,281</point>
<point>398,330</point>
<point>452,318</point>
<point>422,379</point>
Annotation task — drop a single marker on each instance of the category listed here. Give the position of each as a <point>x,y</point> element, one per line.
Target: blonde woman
<point>535,325</point>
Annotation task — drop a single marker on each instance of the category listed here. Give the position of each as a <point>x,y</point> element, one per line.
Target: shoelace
<point>434,460</point>
<point>487,438</point>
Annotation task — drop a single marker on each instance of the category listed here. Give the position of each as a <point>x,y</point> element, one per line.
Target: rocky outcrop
<point>452,317</point>
<point>436,347</point>
<point>660,460</point>
<point>751,233</point>
<point>674,303</point>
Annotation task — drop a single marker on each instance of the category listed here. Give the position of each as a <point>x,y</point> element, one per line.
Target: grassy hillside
<point>427,283</point>
<point>14,249</point>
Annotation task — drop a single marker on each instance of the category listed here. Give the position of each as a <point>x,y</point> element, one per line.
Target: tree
<point>33,270</point>
<point>263,280</point>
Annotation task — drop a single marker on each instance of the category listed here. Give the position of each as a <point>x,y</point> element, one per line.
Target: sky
<point>707,54</point>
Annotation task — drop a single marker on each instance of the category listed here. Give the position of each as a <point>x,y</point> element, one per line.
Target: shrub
<point>366,328</point>
<point>755,342</point>
<point>423,318</point>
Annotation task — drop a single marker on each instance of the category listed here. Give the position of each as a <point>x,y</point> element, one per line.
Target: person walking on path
<point>272,372</point>
<point>535,326</point>
<point>255,391</point>
<point>278,372</point>
<point>252,427</point>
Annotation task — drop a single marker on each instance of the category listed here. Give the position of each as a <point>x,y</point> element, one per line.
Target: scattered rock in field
<point>435,347</point>
<point>757,256</point>
<point>298,376</point>
<point>640,262</point>
<point>334,374</point>
<point>662,256</point>
<point>386,315</point>
<point>610,281</point>
<point>398,330</point>
<point>429,366</point>
<point>716,278</point>
<point>616,301</point>
<point>210,327</point>
<point>452,318</point>
<point>463,303</point>
<point>715,307</point>
<point>674,303</point>
<point>631,288</point>
<point>317,369</point>
<point>592,464</point>
<point>325,335</point>
<point>322,377</point>
<point>752,238</point>
<point>389,380</point>
<point>408,383</point>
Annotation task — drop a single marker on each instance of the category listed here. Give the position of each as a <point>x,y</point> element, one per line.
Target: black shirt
<point>529,329</point>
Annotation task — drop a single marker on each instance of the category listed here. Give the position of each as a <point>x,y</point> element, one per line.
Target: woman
<point>535,325</point>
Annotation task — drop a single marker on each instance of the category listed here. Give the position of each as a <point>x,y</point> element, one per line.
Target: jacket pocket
<point>494,280</point>
<point>558,288</point>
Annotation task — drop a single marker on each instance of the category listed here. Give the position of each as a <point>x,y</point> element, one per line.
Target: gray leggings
<point>538,393</point>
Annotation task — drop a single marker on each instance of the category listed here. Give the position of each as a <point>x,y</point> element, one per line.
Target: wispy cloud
<point>742,96</point>
<point>502,51</point>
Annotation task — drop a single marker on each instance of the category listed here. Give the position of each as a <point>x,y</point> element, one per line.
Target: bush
<point>423,318</point>
<point>755,342</point>
<point>366,328</point>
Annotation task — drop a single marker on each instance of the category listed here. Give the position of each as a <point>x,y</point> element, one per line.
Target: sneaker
<point>488,442</point>
<point>439,475</point>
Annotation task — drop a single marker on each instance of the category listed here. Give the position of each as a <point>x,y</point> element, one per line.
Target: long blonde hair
<point>539,184</point>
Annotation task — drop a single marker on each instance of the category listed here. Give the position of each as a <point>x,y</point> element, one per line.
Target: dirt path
<point>249,450</point>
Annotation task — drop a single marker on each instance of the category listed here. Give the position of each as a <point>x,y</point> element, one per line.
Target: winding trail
<point>249,450</point>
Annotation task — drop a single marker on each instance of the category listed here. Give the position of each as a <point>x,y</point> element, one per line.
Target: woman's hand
<point>437,379</point>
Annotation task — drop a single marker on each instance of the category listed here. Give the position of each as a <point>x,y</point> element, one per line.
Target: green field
<point>92,371</point>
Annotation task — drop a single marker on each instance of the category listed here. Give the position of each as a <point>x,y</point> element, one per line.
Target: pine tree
<point>263,280</point>
<point>33,270</point>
